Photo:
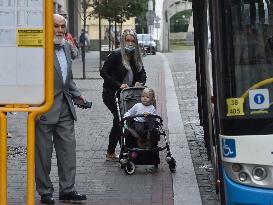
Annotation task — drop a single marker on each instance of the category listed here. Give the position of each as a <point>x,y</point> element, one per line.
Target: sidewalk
<point>104,182</point>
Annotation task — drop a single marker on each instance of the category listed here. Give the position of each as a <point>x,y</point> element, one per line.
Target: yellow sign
<point>235,106</point>
<point>30,37</point>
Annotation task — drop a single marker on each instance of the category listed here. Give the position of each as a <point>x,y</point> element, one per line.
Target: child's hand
<point>145,114</point>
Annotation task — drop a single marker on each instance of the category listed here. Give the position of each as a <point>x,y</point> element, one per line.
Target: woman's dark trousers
<point>115,133</point>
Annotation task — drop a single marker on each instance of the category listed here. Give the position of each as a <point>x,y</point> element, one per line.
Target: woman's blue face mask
<point>129,49</point>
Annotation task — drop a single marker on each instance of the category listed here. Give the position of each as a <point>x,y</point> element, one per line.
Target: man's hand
<point>82,98</point>
<point>81,102</point>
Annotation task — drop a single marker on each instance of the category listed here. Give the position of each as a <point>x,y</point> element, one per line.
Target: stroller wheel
<point>172,165</point>
<point>129,168</point>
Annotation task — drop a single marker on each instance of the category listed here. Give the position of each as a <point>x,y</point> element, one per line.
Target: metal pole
<point>157,34</point>
<point>99,39</point>
<point>31,158</point>
<point>83,46</point>
<point>3,158</point>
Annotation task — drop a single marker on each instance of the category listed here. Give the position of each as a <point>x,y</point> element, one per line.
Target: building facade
<point>72,10</point>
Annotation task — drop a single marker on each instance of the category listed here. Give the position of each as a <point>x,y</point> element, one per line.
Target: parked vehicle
<point>147,41</point>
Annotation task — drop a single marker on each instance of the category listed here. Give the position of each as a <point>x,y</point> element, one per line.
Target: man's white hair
<point>62,17</point>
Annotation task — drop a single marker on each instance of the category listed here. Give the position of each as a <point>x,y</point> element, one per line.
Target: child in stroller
<point>141,130</point>
<point>143,127</point>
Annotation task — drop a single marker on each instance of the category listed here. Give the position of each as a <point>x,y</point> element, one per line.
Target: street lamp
<point>99,36</point>
<point>150,15</point>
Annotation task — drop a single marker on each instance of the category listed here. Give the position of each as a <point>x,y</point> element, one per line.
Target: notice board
<point>22,40</point>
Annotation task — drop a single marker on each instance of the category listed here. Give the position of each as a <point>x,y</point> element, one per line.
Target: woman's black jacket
<point>113,72</point>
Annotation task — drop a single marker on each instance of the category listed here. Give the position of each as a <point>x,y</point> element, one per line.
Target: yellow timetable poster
<point>30,37</point>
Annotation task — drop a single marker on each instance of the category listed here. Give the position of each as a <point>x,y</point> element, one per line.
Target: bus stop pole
<point>49,97</point>
<point>3,158</point>
<point>31,158</point>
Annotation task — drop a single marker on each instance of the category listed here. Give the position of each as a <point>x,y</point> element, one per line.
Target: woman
<point>123,68</point>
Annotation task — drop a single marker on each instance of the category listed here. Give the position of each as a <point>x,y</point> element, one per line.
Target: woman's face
<point>130,40</point>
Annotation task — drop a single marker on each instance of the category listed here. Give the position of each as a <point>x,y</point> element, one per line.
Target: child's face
<point>146,98</point>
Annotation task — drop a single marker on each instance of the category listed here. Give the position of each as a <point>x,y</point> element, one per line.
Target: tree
<point>141,19</point>
<point>118,11</point>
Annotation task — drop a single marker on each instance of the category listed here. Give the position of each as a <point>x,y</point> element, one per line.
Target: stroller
<point>135,150</point>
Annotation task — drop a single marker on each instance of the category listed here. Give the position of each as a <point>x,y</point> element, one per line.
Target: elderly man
<point>56,127</point>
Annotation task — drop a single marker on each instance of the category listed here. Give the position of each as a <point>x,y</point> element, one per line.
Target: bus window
<point>250,61</point>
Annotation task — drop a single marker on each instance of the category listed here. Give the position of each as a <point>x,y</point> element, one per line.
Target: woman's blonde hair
<point>137,54</point>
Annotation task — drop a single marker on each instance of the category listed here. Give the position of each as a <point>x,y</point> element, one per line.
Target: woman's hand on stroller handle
<point>123,86</point>
<point>138,84</point>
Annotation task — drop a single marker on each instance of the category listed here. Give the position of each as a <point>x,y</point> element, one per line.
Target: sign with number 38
<point>235,106</point>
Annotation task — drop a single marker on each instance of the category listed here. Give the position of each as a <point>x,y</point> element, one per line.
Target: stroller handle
<point>142,115</point>
<point>120,90</point>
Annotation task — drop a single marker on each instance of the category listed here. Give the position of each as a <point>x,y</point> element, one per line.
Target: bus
<point>234,72</point>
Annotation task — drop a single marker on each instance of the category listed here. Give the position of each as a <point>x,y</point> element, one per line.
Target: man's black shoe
<point>72,196</point>
<point>47,199</point>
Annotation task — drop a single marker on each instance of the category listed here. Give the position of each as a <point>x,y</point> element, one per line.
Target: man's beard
<point>58,40</point>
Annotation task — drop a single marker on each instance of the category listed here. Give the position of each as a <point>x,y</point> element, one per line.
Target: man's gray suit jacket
<point>62,90</point>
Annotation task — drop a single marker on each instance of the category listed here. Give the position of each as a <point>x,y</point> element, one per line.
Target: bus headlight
<point>259,173</point>
<point>242,176</point>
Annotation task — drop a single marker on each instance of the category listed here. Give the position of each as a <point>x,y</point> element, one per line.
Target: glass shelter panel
<point>22,48</point>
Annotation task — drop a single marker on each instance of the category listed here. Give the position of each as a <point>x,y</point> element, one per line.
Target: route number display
<point>235,106</point>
